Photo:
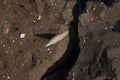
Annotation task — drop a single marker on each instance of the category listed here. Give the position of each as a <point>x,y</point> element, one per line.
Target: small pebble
<point>3,76</point>
<point>8,77</point>
<point>13,41</point>
<point>106,28</point>
<point>6,51</point>
<point>6,30</point>
<point>20,43</point>
<point>39,17</point>
<point>94,9</point>
<point>68,4</point>
<point>4,2</point>
<point>34,21</point>
<point>22,35</point>
<point>3,45</point>
<point>48,49</point>
<point>55,4</point>
<point>9,47</point>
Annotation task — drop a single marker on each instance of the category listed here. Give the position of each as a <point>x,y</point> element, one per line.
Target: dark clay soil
<point>91,51</point>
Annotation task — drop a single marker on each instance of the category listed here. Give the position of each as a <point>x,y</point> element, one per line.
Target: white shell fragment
<point>57,38</point>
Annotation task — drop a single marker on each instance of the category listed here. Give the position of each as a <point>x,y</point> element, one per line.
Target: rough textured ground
<point>90,52</point>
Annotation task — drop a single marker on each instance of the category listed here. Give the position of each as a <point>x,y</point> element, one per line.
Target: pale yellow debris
<point>39,17</point>
<point>22,35</point>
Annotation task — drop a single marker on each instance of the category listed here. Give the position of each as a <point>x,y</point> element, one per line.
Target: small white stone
<point>68,4</point>
<point>102,3</point>
<point>94,9</point>
<point>13,41</point>
<point>106,28</point>
<point>34,21</point>
<point>6,51</point>
<point>8,77</point>
<point>22,35</point>
<point>48,49</point>
<point>39,17</point>
<point>6,21</point>
<point>3,45</point>
<point>9,5</point>
<point>70,10</point>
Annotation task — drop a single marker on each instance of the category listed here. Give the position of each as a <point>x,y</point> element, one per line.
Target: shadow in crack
<point>109,3</point>
<point>59,70</point>
<point>45,35</point>
<point>116,28</point>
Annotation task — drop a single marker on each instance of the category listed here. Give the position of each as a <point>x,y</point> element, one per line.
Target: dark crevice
<point>45,35</point>
<point>34,61</point>
<point>67,61</point>
<point>32,1</point>
<point>103,58</point>
<point>17,29</point>
<point>24,8</point>
<point>108,79</point>
<point>21,51</point>
<point>106,65</point>
<point>109,3</point>
<point>116,28</point>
